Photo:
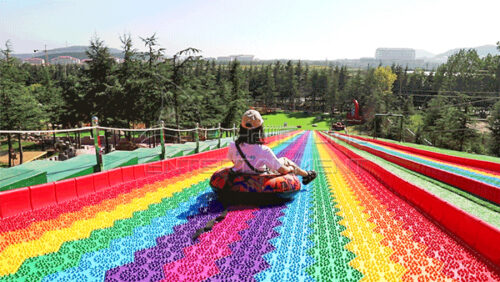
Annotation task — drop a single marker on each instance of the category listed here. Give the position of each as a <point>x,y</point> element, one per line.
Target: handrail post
<point>9,141</point>
<point>95,122</point>
<point>401,129</point>
<point>162,140</point>
<point>197,139</point>
<point>234,131</point>
<point>219,132</point>
<point>20,149</point>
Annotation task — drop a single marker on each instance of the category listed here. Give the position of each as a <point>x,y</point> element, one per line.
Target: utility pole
<point>46,55</point>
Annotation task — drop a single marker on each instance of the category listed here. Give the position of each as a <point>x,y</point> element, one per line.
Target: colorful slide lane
<point>471,161</point>
<point>15,253</point>
<point>344,225</point>
<point>388,212</point>
<point>452,213</point>
<point>479,175</point>
<point>197,254</point>
<point>479,183</point>
<point>480,172</point>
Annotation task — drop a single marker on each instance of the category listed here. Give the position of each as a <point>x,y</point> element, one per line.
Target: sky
<point>268,29</point>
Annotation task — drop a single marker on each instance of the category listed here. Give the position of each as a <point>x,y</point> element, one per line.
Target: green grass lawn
<point>294,119</point>
<point>82,134</point>
<point>27,145</point>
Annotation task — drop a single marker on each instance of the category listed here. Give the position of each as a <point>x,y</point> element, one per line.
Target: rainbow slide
<point>136,224</point>
<point>478,179</point>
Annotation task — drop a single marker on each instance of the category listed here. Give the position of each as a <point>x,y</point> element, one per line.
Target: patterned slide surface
<point>345,225</point>
<point>488,177</point>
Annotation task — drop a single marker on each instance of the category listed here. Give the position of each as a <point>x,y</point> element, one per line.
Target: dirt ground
<point>27,156</point>
<point>481,127</point>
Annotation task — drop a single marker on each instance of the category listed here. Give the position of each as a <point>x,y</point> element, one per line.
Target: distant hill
<point>482,51</point>
<point>73,51</point>
<point>420,54</point>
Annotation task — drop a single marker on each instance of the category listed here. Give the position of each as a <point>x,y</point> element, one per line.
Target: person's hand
<point>285,170</point>
<point>291,169</point>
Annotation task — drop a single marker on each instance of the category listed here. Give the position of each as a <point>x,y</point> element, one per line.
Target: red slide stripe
<point>476,233</point>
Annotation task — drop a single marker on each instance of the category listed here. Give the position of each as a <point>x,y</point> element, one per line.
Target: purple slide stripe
<point>148,263</point>
<point>247,258</point>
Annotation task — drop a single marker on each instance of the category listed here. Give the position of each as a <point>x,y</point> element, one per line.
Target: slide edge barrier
<point>20,200</point>
<point>31,198</point>
<point>486,165</point>
<point>481,189</point>
<point>476,233</point>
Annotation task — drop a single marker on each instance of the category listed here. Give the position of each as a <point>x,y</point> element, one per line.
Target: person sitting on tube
<point>260,156</point>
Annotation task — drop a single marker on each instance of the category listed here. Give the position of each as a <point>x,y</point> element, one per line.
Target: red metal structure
<point>353,116</point>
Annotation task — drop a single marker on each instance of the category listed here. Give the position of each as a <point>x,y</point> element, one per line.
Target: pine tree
<point>238,99</point>
<point>291,85</point>
<point>342,77</point>
<point>98,77</point>
<point>333,90</point>
<point>269,88</point>
<point>154,52</point>
<point>19,108</point>
<point>315,89</point>
<point>130,83</point>
<point>494,126</point>
<point>299,74</point>
<point>176,76</point>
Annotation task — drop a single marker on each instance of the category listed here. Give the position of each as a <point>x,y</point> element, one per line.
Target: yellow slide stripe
<point>14,255</point>
<point>372,257</point>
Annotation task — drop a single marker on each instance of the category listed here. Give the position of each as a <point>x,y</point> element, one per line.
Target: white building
<point>224,59</point>
<point>240,58</point>
<point>395,54</point>
<point>64,60</point>
<point>34,61</point>
<point>120,60</point>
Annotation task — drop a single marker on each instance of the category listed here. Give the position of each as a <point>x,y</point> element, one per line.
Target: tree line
<point>442,107</point>
<point>455,107</point>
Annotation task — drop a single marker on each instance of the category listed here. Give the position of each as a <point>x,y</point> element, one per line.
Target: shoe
<point>311,174</point>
